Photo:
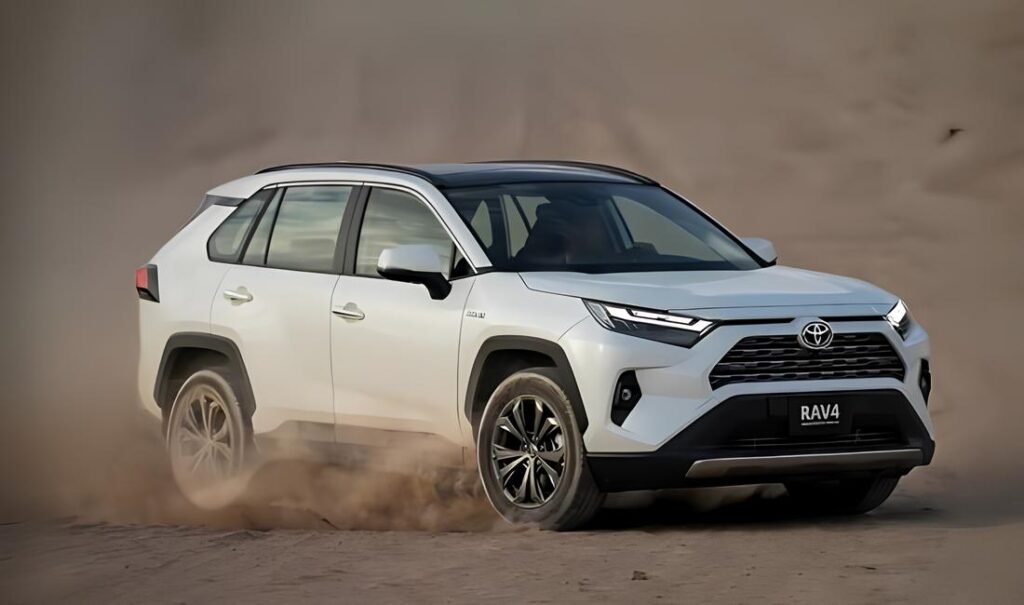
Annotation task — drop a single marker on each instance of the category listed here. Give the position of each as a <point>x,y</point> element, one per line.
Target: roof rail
<point>571,163</point>
<point>391,167</point>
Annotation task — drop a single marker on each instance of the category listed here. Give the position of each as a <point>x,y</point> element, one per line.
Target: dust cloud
<point>114,470</point>
<point>883,140</point>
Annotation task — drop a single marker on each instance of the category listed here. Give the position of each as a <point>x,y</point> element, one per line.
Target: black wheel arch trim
<point>544,347</point>
<point>211,342</point>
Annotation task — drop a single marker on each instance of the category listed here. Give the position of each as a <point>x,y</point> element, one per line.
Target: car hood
<point>690,290</point>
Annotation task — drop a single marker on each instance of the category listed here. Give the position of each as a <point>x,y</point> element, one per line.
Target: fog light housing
<point>627,394</point>
<point>924,380</point>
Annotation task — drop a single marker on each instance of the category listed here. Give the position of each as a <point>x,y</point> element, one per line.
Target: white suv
<point>580,328</point>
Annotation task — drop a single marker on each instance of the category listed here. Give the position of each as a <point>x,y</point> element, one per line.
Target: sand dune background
<point>879,139</point>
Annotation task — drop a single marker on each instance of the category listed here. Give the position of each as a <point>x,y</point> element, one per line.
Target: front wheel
<point>530,454</point>
<point>844,496</point>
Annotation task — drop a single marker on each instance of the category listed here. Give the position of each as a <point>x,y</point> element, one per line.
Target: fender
<point>210,342</point>
<point>536,345</point>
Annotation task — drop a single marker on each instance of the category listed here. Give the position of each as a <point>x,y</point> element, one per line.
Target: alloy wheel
<point>203,442</point>
<point>527,451</point>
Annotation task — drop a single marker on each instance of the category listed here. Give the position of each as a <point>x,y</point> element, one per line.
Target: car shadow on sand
<point>766,507</point>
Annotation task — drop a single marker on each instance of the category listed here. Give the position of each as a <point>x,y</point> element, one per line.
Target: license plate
<point>817,416</point>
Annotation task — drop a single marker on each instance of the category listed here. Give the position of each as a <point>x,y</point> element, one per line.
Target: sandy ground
<point>759,551</point>
<point>880,139</point>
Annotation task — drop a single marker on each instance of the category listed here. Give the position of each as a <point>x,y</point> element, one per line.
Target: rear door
<point>275,303</point>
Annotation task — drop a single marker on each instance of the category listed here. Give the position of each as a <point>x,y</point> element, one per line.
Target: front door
<point>395,350</point>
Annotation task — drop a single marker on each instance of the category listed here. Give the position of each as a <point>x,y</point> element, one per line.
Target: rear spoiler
<point>216,200</point>
<point>212,200</point>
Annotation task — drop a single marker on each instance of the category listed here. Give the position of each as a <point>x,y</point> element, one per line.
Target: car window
<point>648,228</point>
<point>521,214</point>
<point>305,232</point>
<point>487,221</point>
<point>516,218</point>
<point>395,218</point>
<point>256,251</point>
<point>600,228</point>
<point>226,242</point>
<point>481,223</point>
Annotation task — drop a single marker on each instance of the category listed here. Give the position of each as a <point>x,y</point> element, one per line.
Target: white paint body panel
<point>406,365</point>
<point>187,285</point>
<point>692,290</point>
<point>509,309</point>
<point>283,335</point>
<point>397,368</point>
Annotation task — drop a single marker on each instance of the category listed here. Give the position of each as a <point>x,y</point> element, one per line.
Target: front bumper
<point>682,426</point>
<point>746,440</point>
<point>675,383</point>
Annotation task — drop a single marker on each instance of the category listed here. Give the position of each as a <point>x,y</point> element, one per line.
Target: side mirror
<point>415,264</point>
<point>761,247</point>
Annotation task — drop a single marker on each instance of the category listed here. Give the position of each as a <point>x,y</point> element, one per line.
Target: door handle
<point>349,311</point>
<point>238,296</point>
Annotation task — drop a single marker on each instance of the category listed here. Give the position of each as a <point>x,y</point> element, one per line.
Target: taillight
<point>146,283</point>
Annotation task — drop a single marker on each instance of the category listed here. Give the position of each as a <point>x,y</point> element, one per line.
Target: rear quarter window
<point>228,239</point>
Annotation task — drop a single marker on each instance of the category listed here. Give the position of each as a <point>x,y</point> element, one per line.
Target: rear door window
<point>306,229</point>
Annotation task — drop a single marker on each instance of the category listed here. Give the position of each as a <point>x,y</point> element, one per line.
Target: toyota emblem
<point>815,335</point>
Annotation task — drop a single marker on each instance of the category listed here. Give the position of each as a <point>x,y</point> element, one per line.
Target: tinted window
<point>485,217</point>
<point>521,214</point>
<point>481,223</point>
<point>394,218</point>
<point>256,251</point>
<point>601,228</point>
<point>227,241</point>
<point>644,226</point>
<point>305,233</point>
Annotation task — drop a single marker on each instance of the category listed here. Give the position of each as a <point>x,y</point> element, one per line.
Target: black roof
<point>476,174</point>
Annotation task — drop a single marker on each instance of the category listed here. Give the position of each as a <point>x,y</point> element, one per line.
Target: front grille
<point>776,358</point>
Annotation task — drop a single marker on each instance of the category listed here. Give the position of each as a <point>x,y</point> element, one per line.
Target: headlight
<point>653,325</point>
<point>899,318</point>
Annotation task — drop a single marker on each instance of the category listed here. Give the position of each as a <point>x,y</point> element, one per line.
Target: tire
<point>844,496</point>
<point>209,439</point>
<point>519,475</point>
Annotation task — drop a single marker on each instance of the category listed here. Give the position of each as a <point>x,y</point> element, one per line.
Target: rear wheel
<point>208,439</point>
<point>530,454</point>
<point>844,496</point>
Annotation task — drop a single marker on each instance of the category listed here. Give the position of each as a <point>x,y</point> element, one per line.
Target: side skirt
<point>360,447</point>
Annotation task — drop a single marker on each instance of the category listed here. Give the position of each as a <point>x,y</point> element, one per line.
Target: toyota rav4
<point>569,329</point>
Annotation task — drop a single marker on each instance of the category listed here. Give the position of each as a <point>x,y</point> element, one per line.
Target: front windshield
<point>594,228</point>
